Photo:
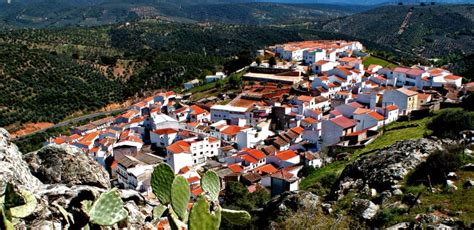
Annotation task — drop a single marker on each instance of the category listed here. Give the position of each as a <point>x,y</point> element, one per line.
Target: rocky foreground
<point>62,176</point>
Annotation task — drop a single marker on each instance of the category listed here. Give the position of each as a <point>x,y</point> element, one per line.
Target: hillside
<point>428,31</point>
<point>39,86</point>
<point>52,69</point>
<point>53,13</point>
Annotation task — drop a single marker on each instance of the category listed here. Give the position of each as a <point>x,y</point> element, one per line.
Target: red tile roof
<point>268,169</point>
<point>310,120</point>
<point>184,170</point>
<point>231,130</point>
<point>196,110</point>
<point>165,131</point>
<point>257,154</point>
<point>235,168</point>
<point>407,92</point>
<point>248,158</point>
<point>193,179</point>
<point>297,130</point>
<point>305,98</point>
<point>376,116</point>
<point>286,155</point>
<point>391,107</point>
<point>452,77</point>
<point>343,122</point>
<point>179,147</point>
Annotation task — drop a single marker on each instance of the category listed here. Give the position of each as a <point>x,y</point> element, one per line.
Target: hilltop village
<point>298,102</point>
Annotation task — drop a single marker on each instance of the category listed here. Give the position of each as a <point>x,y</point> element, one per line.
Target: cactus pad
<point>12,197</point>
<point>158,211</point>
<point>108,209</point>
<point>236,217</point>
<point>210,183</point>
<point>161,181</point>
<point>86,206</point>
<point>175,222</point>
<point>180,195</point>
<point>202,216</point>
<point>26,209</point>
<point>4,222</point>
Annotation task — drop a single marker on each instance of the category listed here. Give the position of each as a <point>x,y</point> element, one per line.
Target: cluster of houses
<point>277,125</point>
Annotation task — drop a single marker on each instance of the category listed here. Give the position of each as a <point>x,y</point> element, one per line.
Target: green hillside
<point>428,31</point>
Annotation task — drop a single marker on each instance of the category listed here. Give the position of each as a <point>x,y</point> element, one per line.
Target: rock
<point>290,202</point>
<point>452,176</point>
<point>365,209</point>
<point>13,168</point>
<point>397,192</point>
<point>327,208</point>
<point>69,177</point>
<point>469,184</point>
<point>409,199</point>
<point>451,186</point>
<point>384,170</point>
<point>65,164</point>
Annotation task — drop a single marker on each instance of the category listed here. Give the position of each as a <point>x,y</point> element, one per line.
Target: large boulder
<point>12,167</point>
<point>364,209</point>
<point>384,170</point>
<point>65,164</point>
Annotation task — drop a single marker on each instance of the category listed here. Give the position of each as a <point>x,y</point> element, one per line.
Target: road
<point>72,121</point>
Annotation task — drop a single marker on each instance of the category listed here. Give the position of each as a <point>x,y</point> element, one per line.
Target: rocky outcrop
<point>364,209</point>
<point>65,164</point>
<point>69,177</point>
<point>12,167</point>
<point>288,203</point>
<point>384,170</point>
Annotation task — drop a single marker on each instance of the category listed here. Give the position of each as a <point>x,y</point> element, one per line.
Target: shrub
<point>437,167</point>
<point>449,122</point>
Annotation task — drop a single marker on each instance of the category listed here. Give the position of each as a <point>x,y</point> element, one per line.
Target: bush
<point>306,171</point>
<point>437,167</point>
<point>449,122</point>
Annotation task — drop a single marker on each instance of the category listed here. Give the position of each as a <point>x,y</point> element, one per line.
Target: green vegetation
<point>398,131</point>
<point>378,61</point>
<point>14,204</point>
<point>448,123</point>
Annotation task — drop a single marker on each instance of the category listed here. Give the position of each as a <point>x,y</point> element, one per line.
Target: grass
<point>378,61</point>
<point>211,89</point>
<point>395,132</point>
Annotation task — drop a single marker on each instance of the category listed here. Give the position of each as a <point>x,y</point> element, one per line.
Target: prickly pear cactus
<point>108,209</point>
<point>204,215</point>
<point>12,197</point>
<point>180,195</point>
<point>236,217</point>
<point>175,222</point>
<point>161,181</point>
<point>26,209</point>
<point>4,222</point>
<point>210,183</point>
<point>158,211</point>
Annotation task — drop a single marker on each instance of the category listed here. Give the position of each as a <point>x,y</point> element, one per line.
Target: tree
<point>258,61</point>
<point>272,61</point>
<point>448,123</point>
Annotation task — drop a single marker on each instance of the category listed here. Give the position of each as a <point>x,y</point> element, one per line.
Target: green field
<point>378,61</point>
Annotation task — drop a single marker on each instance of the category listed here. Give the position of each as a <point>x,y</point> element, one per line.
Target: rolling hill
<point>55,13</point>
<point>426,31</point>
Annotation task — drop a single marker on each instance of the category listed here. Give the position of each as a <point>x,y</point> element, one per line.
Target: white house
<point>285,158</point>
<point>348,109</point>
<point>163,137</point>
<point>369,120</point>
<point>334,128</point>
<point>390,113</point>
<point>191,84</point>
<point>405,99</point>
<point>192,152</point>
<point>218,76</point>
